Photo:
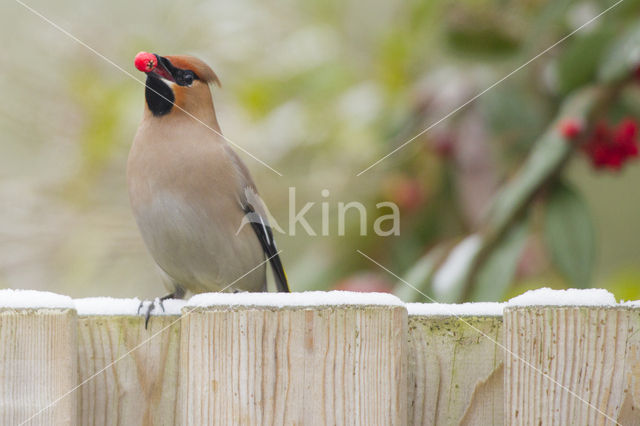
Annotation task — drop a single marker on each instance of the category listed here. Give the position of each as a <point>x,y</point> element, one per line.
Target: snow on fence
<point>320,358</point>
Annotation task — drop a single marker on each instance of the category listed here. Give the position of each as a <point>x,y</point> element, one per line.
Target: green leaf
<point>515,116</point>
<point>479,40</point>
<point>570,235</point>
<point>499,268</point>
<point>548,154</point>
<point>579,63</point>
<point>623,57</point>
<point>419,276</point>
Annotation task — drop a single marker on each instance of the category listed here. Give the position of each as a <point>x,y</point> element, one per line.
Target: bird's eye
<point>186,79</point>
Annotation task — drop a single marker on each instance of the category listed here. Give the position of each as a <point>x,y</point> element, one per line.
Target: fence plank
<point>318,365</point>
<point>37,366</point>
<point>136,370</point>
<point>254,359</point>
<point>455,374</point>
<point>572,365</point>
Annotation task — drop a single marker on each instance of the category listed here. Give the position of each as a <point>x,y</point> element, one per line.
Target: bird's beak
<point>159,66</point>
<point>164,68</point>
<point>151,63</point>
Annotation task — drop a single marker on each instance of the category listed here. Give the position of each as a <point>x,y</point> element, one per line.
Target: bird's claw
<point>150,308</point>
<point>140,306</point>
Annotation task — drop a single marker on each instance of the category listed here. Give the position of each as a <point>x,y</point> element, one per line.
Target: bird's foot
<point>151,305</point>
<point>178,293</point>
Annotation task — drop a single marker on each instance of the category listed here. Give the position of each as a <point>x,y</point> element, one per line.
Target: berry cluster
<point>609,146</point>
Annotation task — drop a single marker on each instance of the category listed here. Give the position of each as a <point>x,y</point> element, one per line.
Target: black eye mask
<point>182,77</point>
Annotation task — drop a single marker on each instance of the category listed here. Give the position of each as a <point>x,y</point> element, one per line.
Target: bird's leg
<point>178,293</point>
<point>147,316</point>
<point>140,306</point>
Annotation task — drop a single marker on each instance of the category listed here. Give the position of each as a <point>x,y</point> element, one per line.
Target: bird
<point>190,192</point>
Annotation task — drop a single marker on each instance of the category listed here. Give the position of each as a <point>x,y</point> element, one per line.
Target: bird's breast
<point>188,215</point>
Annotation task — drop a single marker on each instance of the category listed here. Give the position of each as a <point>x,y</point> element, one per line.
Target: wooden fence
<point>365,364</point>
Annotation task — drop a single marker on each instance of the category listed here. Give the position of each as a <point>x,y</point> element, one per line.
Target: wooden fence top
<point>319,358</point>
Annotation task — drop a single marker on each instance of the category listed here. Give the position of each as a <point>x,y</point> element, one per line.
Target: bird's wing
<point>265,236</point>
<point>256,214</point>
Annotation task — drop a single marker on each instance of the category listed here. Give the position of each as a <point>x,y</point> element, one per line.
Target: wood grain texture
<point>313,366</point>
<point>140,388</point>
<point>37,366</point>
<point>572,366</point>
<point>455,374</point>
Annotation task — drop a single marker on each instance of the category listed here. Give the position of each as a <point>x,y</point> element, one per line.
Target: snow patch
<point>571,297</point>
<point>303,299</point>
<point>23,299</point>
<point>113,306</point>
<point>630,303</point>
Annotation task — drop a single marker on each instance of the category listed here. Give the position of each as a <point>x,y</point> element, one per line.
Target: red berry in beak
<point>146,62</point>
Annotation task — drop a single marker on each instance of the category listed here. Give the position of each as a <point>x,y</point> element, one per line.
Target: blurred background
<point>320,90</point>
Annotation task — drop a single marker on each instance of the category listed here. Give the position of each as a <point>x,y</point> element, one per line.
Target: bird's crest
<point>202,70</point>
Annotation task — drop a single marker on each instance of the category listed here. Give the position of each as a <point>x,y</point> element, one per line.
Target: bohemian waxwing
<point>190,192</point>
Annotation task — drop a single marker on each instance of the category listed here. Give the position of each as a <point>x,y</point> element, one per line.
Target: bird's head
<point>177,81</point>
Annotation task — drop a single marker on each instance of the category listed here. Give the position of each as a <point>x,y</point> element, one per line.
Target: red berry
<point>570,128</point>
<point>631,150</point>
<point>407,192</point>
<point>145,62</point>
<point>612,147</point>
<point>626,131</point>
<point>443,145</point>
<point>599,156</point>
